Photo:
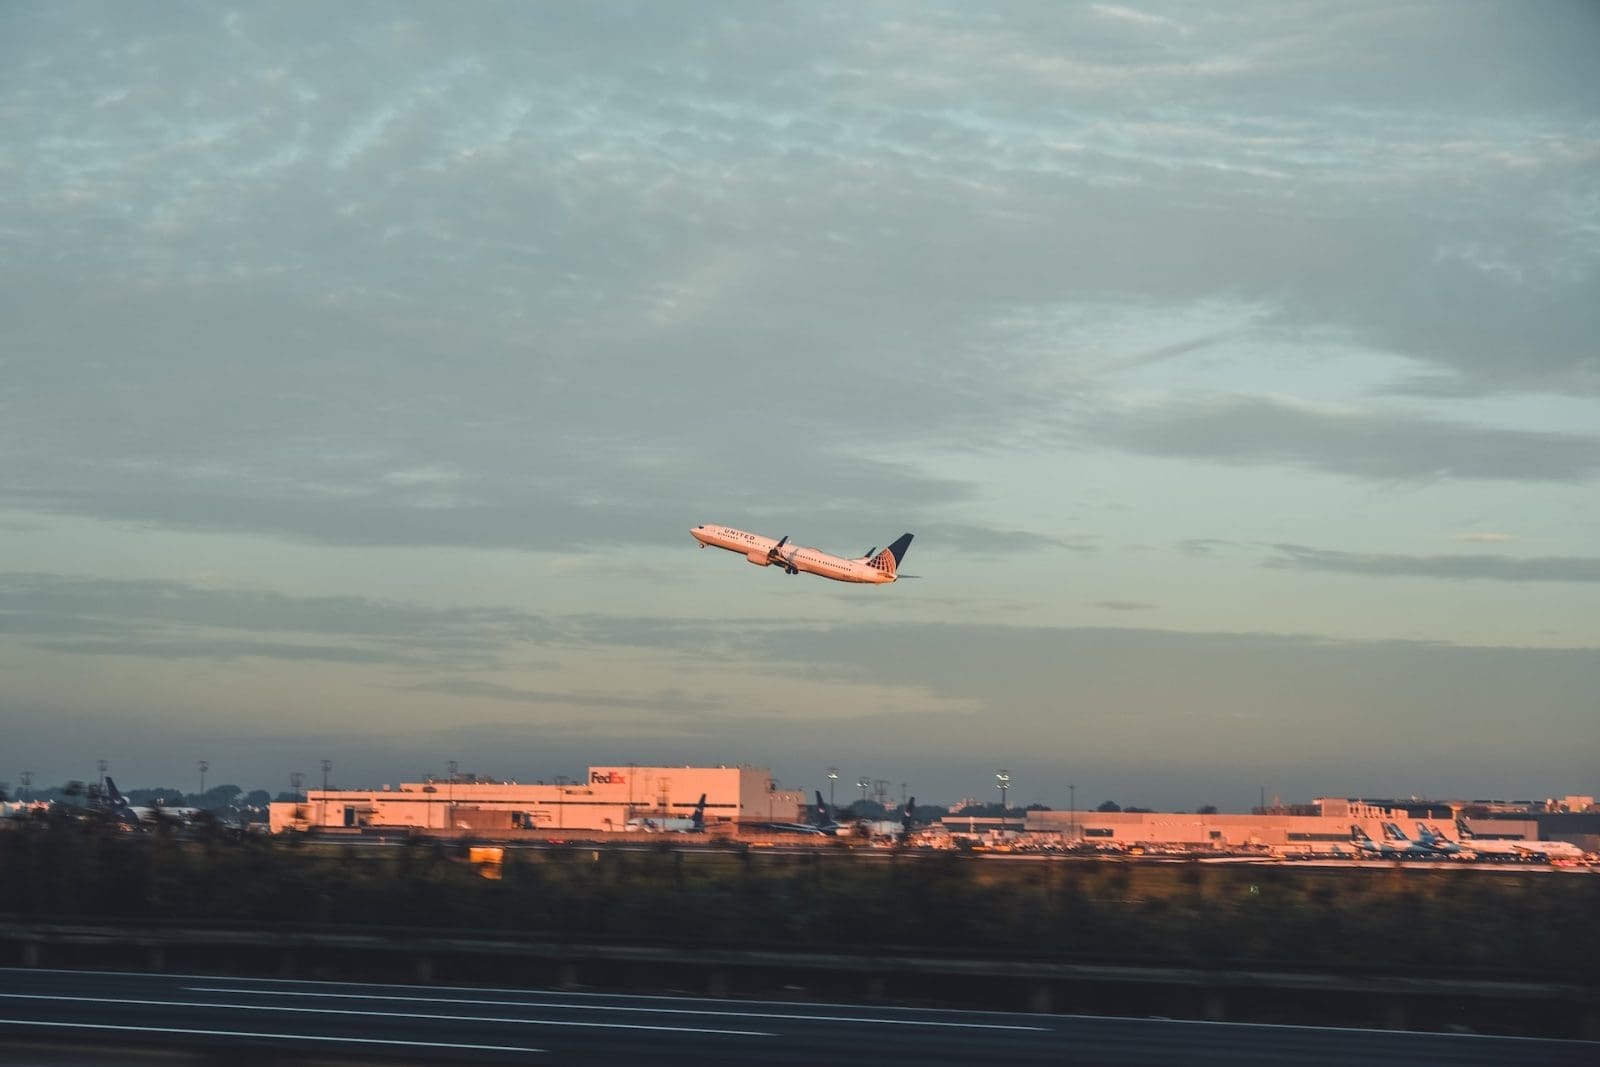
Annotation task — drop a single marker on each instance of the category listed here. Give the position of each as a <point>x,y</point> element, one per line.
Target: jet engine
<point>760,559</point>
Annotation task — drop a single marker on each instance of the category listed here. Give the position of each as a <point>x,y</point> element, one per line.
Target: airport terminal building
<point>612,799</point>
<point>1328,830</point>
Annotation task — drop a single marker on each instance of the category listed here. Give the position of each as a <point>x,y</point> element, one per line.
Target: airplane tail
<point>1462,832</point>
<point>821,809</point>
<point>698,818</point>
<point>113,794</point>
<point>888,561</point>
<point>908,816</point>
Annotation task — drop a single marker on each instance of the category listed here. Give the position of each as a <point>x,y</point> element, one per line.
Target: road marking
<point>268,1036</point>
<point>429,1016</point>
<point>618,1007</point>
<point>568,993</point>
<point>32,973</point>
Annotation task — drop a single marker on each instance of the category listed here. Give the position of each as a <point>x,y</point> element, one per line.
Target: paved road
<point>54,1019</point>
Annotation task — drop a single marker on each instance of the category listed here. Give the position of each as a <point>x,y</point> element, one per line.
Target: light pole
<point>327,765</point>
<point>833,776</point>
<point>204,767</point>
<point>1002,781</point>
<point>295,778</point>
<point>1072,825</point>
<point>451,813</point>
<point>864,784</point>
<point>103,765</point>
<point>27,782</point>
<point>561,799</point>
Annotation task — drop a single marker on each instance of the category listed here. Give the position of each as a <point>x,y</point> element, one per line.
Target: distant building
<point>1397,807</point>
<point>603,803</point>
<point>1327,831</point>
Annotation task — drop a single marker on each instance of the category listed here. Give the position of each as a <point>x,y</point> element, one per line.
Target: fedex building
<point>611,799</point>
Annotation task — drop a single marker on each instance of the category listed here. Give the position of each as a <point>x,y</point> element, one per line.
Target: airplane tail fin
<point>822,809</point>
<point>699,817</point>
<point>888,561</point>
<point>112,793</point>
<point>908,816</point>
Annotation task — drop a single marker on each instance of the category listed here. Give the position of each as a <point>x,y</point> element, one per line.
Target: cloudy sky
<point>363,368</point>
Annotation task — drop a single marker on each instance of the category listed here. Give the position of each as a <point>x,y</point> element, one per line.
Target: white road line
<point>618,1007</point>
<point>512,991</point>
<point>267,1035</point>
<point>429,1016</point>
<point>568,993</point>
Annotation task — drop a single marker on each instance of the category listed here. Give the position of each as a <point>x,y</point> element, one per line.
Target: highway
<point>53,1018</point>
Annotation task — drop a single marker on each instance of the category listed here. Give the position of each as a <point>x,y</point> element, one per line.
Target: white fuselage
<point>767,551</point>
<point>1557,850</point>
<point>1523,849</point>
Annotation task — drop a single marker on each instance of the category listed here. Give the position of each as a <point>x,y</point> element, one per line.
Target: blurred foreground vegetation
<point>1482,923</point>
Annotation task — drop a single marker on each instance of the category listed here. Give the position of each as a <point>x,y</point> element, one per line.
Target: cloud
<point>1485,568</point>
<point>1205,546</point>
<point>572,282</point>
<point>178,620</point>
<point>667,702</point>
<point>1373,444</point>
<point>897,694</point>
<point>986,540</point>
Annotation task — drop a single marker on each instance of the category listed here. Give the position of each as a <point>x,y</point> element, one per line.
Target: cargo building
<point>611,799</point>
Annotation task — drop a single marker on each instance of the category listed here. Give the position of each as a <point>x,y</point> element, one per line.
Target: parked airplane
<point>1389,847</point>
<point>891,829</point>
<point>827,821</point>
<point>1436,841</point>
<point>119,804</point>
<point>873,568</point>
<point>820,823</point>
<point>1405,847</point>
<point>694,824</point>
<point>1558,850</point>
<point>1490,848</point>
<point>1523,849</point>
<point>1363,843</point>
<point>10,809</point>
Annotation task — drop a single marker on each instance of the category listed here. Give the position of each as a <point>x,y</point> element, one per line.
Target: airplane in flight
<point>873,568</point>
